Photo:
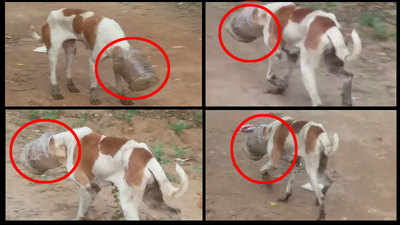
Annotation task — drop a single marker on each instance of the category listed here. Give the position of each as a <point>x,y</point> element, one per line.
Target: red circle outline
<point>139,39</point>
<point>45,181</point>
<point>233,141</point>
<point>249,60</point>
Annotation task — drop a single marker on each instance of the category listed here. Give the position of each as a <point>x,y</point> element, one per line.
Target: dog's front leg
<point>347,87</point>
<point>93,95</point>
<point>121,90</point>
<point>70,52</point>
<point>307,72</point>
<point>130,200</point>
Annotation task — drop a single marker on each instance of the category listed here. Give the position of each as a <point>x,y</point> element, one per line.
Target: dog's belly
<point>106,166</point>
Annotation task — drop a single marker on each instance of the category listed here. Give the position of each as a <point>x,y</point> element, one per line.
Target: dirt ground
<point>363,169</point>
<point>233,83</point>
<point>175,27</point>
<point>31,201</point>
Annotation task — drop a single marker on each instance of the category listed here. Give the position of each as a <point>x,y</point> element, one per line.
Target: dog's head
<point>134,69</point>
<point>43,154</point>
<point>256,140</point>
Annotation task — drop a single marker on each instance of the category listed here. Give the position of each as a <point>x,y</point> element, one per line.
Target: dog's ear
<point>58,152</point>
<point>259,17</point>
<point>248,128</point>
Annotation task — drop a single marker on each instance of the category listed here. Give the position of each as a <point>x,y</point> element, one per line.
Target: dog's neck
<point>68,140</point>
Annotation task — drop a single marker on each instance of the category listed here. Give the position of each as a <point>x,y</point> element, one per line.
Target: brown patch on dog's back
<point>280,136</point>
<point>137,162</point>
<point>317,28</point>
<point>312,137</point>
<point>89,155</point>
<point>283,14</point>
<point>70,12</point>
<point>90,29</point>
<point>300,13</point>
<point>298,125</point>
<point>111,145</point>
<point>85,26</point>
<point>46,38</point>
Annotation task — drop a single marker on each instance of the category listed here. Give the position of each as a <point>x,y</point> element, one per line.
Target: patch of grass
<point>43,114</point>
<point>197,168</point>
<point>178,127</point>
<point>179,152</point>
<point>315,7</point>
<point>332,4</point>
<point>83,120</point>
<point>198,118</point>
<point>125,114</point>
<point>376,21</point>
<point>158,152</point>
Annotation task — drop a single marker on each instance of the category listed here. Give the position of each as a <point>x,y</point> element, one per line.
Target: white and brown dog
<point>275,141</point>
<point>66,26</point>
<point>313,33</point>
<point>127,164</point>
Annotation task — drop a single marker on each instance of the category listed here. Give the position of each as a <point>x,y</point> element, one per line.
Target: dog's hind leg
<point>347,87</point>
<point>53,56</point>
<point>153,198</point>
<point>289,188</point>
<point>70,52</point>
<point>312,166</point>
<point>86,197</point>
<point>308,64</point>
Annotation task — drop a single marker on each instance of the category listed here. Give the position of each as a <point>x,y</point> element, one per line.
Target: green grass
<point>125,114</point>
<point>158,152</point>
<point>198,118</point>
<point>376,21</point>
<point>332,4</point>
<point>178,127</point>
<point>315,7</point>
<point>43,114</point>
<point>197,168</point>
<point>82,120</point>
<point>179,152</point>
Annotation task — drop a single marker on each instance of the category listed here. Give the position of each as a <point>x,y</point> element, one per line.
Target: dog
<point>66,26</point>
<point>314,146</point>
<point>127,164</point>
<point>308,34</point>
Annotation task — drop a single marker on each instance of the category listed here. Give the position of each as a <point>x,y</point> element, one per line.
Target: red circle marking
<point>45,181</point>
<point>295,152</point>
<point>139,39</point>
<point>249,60</point>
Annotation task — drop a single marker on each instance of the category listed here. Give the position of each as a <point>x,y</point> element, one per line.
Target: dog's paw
<point>93,97</point>
<point>55,93</point>
<point>126,102</point>
<point>71,87</point>
<point>95,101</point>
<point>284,198</point>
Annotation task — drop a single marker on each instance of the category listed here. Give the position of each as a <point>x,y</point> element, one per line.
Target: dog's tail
<point>166,187</point>
<point>34,34</point>
<point>342,52</point>
<point>330,144</point>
